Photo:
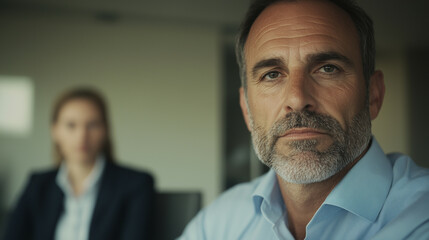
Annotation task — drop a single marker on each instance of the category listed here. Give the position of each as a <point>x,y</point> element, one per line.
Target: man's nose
<point>298,93</point>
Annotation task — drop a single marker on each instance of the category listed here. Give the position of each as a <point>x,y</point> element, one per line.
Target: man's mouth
<point>302,133</point>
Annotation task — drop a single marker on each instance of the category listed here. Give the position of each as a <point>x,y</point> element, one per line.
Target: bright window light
<point>16,105</point>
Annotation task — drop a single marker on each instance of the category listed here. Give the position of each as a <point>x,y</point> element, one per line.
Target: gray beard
<point>305,164</point>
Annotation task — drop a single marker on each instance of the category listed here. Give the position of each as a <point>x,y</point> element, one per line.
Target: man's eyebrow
<point>326,56</point>
<point>271,62</point>
<point>311,58</point>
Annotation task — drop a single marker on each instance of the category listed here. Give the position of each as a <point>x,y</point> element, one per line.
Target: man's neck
<point>303,200</point>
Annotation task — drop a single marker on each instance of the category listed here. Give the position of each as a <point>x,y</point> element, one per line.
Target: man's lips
<point>302,133</point>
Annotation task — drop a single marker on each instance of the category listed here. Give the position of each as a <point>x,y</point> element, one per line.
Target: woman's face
<point>79,131</point>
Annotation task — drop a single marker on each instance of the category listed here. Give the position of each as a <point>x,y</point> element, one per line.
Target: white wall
<point>162,81</point>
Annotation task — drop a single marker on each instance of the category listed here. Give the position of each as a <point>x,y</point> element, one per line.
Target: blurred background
<point>168,71</point>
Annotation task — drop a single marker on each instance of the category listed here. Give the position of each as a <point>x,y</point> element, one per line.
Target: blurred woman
<point>87,196</point>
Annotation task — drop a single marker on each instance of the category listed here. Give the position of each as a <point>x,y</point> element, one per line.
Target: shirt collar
<point>267,198</point>
<point>91,181</point>
<point>364,189</point>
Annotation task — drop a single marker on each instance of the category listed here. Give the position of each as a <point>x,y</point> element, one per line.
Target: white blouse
<point>75,220</point>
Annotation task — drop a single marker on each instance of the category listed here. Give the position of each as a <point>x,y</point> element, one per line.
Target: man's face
<point>306,103</point>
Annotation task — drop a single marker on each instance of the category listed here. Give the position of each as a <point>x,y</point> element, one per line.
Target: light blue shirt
<point>381,197</point>
<point>75,220</point>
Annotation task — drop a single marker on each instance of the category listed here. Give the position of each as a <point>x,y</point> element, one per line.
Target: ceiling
<point>398,23</point>
<point>204,11</point>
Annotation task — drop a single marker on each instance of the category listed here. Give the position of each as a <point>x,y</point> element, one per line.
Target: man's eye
<point>328,69</point>
<point>271,75</point>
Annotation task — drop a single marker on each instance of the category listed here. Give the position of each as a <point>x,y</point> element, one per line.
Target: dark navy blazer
<point>123,208</point>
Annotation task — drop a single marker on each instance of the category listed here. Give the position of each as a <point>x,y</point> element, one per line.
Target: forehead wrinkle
<point>297,35</point>
<point>293,24</point>
<point>304,41</point>
<point>301,38</point>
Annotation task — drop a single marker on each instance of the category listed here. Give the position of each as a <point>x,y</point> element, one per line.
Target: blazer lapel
<point>102,202</point>
<point>54,202</point>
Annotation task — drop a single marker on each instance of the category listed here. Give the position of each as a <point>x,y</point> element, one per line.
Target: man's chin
<point>299,156</point>
<point>303,167</point>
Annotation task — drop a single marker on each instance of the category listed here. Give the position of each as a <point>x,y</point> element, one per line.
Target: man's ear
<point>376,93</point>
<point>244,108</point>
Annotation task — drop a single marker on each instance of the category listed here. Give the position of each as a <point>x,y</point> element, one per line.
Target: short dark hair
<point>97,99</point>
<point>361,20</point>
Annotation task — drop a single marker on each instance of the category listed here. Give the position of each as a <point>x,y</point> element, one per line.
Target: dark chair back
<point>173,211</point>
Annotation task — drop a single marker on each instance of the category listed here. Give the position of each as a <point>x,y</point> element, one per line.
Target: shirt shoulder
<point>404,168</point>
<point>406,210</point>
<point>410,181</point>
<point>236,200</point>
<point>227,217</point>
